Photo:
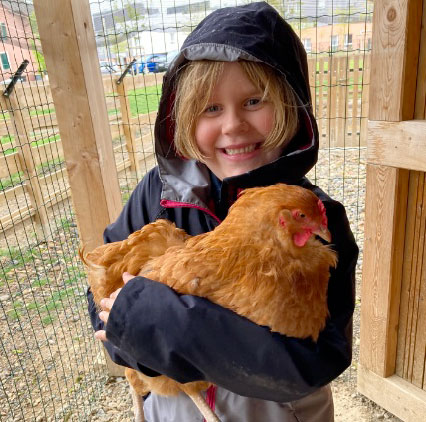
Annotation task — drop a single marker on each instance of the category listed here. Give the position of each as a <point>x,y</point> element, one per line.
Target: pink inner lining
<point>211,397</point>
<point>173,204</point>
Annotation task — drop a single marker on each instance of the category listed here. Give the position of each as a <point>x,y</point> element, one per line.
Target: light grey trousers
<point>229,407</point>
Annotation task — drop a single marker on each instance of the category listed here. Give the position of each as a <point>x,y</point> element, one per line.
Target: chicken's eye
<point>298,215</point>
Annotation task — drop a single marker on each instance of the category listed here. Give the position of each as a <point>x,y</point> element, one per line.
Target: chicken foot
<point>137,405</point>
<point>203,407</point>
<point>197,398</point>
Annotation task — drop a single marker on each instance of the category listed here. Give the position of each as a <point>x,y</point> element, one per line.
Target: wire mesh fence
<point>50,366</point>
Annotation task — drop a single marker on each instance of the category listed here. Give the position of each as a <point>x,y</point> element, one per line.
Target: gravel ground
<point>50,367</point>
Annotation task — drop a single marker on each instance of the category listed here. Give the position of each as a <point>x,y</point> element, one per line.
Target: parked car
<point>155,63</point>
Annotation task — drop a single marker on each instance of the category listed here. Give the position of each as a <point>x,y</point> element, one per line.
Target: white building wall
<point>155,42</point>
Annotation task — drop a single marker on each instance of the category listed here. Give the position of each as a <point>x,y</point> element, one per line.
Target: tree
<point>33,45</point>
<point>128,22</point>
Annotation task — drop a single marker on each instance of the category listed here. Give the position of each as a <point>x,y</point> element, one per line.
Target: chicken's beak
<point>323,233</point>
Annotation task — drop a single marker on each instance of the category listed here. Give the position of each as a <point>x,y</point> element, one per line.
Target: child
<point>235,113</point>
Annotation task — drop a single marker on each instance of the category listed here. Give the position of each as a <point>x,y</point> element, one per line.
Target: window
<point>3,31</point>
<point>369,44</point>
<point>334,42</point>
<point>348,40</point>
<point>307,44</point>
<point>4,61</point>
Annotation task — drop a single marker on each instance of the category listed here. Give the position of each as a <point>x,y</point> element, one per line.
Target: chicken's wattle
<point>301,238</point>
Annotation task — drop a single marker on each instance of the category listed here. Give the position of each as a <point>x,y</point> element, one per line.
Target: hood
<point>253,32</point>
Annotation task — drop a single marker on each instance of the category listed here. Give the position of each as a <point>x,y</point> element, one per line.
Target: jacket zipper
<point>174,204</point>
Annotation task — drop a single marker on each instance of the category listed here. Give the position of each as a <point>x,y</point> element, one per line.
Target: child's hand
<point>107,304</point>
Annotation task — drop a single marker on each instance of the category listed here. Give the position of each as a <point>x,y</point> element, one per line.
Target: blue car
<point>155,63</point>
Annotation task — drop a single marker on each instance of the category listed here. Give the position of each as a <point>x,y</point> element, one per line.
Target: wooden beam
<point>401,398</point>
<point>409,338</point>
<point>396,38</point>
<point>386,199</point>
<point>395,53</point>
<point>397,144</point>
<point>420,111</point>
<point>129,129</point>
<point>27,163</point>
<point>69,48</point>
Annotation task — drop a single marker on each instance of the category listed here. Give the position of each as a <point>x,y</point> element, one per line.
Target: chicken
<point>263,262</point>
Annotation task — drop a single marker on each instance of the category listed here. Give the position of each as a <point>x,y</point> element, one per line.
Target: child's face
<point>230,132</point>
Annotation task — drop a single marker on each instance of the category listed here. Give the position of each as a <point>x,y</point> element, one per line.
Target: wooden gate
<point>393,308</point>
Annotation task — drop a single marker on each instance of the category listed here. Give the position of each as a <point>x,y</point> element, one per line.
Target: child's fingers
<point>127,277</point>
<point>104,315</point>
<point>101,335</point>
<point>106,303</point>
<point>114,295</point>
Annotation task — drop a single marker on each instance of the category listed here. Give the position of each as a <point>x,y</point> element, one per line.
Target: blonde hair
<point>194,87</point>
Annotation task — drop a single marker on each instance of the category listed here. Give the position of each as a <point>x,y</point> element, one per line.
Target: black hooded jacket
<point>155,330</point>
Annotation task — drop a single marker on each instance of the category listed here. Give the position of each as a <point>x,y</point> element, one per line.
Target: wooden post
<point>366,83</point>
<point>129,128</point>
<point>390,101</point>
<point>332,101</point>
<point>69,47</point>
<point>19,117</point>
<point>355,109</point>
<point>342,91</point>
<point>320,114</point>
<point>392,249</point>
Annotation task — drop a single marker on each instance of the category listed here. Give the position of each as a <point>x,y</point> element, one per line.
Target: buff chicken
<point>263,261</point>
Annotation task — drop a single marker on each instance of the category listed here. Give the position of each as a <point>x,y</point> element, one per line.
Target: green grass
<point>4,115</point>
<point>40,142</point>
<point>40,283</point>
<point>65,223</point>
<point>112,111</point>
<point>125,197</point>
<point>37,112</point>
<point>46,306</point>
<point>17,178</point>
<point>47,320</point>
<point>75,278</point>
<point>141,101</point>
<point>42,111</point>
<point>5,139</point>
<point>45,140</point>
<point>144,100</point>
<point>16,311</point>
<point>42,168</point>
<point>12,253</point>
<point>18,257</point>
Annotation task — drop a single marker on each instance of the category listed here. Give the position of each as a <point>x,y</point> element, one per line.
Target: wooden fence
<point>32,151</point>
<point>339,89</point>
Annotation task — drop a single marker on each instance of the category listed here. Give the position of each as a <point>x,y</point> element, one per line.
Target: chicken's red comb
<point>321,207</point>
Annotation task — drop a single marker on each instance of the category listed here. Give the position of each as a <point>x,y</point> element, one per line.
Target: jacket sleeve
<point>133,216</point>
<point>143,207</point>
<point>118,356</point>
<point>189,338</point>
